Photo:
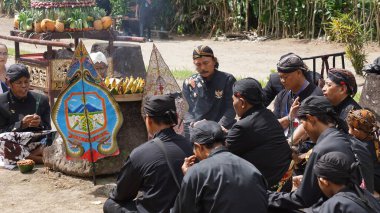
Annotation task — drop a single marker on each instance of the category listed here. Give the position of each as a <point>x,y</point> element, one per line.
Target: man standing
<point>221,181</point>
<point>209,92</point>
<point>144,12</point>
<point>258,136</point>
<point>153,168</point>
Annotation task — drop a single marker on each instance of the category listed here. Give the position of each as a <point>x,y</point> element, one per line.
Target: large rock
<point>132,133</point>
<point>127,59</point>
<point>370,97</point>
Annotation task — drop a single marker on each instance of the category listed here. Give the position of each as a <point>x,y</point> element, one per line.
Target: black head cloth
<point>316,105</point>
<point>343,77</point>
<point>206,132</point>
<point>290,62</point>
<point>202,51</point>
<point>250,89</point>
<point>159,105</point>
<point>17,71</point>
<point>335,167</point>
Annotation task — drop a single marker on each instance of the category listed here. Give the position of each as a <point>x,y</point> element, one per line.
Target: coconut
<point>107,22</point>
<point>37,27</point>
<point>98,25</point>
<point>48,25</point>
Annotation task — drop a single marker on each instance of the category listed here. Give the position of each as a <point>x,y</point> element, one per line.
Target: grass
<point>11,52</point>
<point>183,74</point>
<point>357,96</point>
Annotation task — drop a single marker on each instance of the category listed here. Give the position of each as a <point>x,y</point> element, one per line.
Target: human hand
<point>224,129</point>
<point>297,180</point>
<point>189,162</point>
<point>294,108</point>
<point>31,121</point>
<point>193,124</point>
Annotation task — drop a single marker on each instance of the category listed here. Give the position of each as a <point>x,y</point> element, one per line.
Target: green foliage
<point>347,30</point>
<point>11,52</point>
<point>11,6</point>
<point>182,74</point>
<point>357,96</point>
<point>120,7</point>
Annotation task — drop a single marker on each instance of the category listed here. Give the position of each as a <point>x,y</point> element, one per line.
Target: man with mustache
<point>209,92</point>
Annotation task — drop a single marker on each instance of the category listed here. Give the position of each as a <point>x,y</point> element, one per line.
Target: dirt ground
<point>49,191</point>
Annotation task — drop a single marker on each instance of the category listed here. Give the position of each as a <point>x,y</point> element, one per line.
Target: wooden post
<point>17,50</point>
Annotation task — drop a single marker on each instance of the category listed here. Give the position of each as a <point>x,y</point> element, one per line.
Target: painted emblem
<point>85,114</point>
<point>218,94</point>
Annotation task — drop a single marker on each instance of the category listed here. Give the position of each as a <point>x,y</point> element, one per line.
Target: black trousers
<point>111,206</point>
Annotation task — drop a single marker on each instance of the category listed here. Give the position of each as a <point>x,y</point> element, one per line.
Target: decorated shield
<point>85,114</point>
<point>160,81</point>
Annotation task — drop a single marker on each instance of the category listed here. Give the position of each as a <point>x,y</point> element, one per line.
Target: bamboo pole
<point>38,42</point>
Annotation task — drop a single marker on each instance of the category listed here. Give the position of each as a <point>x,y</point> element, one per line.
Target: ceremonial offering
<point>25,166</point>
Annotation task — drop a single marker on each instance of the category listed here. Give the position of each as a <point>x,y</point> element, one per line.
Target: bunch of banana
<point>126,85</point>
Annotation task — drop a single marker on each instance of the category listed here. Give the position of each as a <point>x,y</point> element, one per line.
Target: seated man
<point>221,181</point>
<point>339,89</point>
<point>274,85</point>
<point>100,63</point>
<point>3,67</point>
<point>362,125</point>
<point>258,137</point>
<point>292,72</point>
<point>22,110</point>
<point>319,120</point>
<point>333,171</point>
<point>154,167</point>
<point>208,93</point>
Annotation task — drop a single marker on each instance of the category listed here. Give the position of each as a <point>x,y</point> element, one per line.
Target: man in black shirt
<point>339,89</point>
<point>257,136</point>
<point>208,93</point>
<point>147,169</point>
<point>292,71</point>
<point>335,180</point>
<point>22,110</point>
<point>318,118</point>
<point>274,85</point>
<point>221,181</point>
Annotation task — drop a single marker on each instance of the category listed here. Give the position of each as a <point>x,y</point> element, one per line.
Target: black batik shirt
<point>210,100</point>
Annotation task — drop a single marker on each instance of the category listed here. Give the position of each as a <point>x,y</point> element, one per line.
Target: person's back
<point>258,136</point>
<point>223,182</point>
<point>259,139</point>
<point>157,183</point>
<point>347,201</point>
<point>334,171</point>
<point>148,180</point>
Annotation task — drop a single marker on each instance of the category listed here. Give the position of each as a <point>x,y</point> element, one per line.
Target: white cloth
<point>98,57</point>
